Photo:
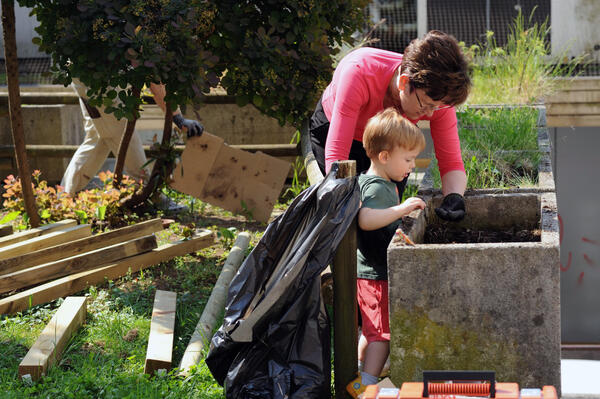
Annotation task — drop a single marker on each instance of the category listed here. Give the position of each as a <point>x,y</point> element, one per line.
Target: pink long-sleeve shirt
<point>356,93</point>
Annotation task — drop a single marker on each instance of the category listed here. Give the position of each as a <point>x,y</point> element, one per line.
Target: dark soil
<point>440,234</point>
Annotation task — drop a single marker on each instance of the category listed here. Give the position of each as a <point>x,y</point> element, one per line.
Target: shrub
<point>98,207</point>
<point>274,55</point>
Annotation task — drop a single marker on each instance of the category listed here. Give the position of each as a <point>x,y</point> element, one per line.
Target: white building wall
<point>24,30</point>
<point>576,27</point>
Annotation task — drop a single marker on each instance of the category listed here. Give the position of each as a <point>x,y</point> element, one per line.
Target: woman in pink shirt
<point>424,83</point>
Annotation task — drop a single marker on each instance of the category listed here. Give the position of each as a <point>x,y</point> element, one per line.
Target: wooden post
<point>48,348</point>
<point>14,108</point>
<point>159,354</point>
<point>345,325</point>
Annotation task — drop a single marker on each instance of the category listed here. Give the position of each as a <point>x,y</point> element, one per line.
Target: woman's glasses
<point>430,108</point>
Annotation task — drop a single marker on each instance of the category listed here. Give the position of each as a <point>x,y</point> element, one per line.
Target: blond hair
<point>387,130</point>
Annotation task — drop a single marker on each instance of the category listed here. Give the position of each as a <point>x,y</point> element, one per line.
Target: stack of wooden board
<point>53,261</point>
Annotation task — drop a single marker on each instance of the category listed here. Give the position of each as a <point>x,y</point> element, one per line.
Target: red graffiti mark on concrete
<point>565,268</point>
<point>560,235</point>
<point>588,260</point>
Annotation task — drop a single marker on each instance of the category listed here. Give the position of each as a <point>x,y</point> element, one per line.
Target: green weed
<point>299,179</point>
<point>522,72</point>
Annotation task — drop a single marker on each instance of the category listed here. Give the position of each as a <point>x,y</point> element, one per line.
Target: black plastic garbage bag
<point>275,337</point>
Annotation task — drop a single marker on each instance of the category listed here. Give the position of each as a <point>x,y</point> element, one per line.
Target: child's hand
<point>412,203</point>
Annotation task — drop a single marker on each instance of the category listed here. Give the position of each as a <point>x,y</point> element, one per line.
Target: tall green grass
<point>522,72</point>
<point>499,147</point>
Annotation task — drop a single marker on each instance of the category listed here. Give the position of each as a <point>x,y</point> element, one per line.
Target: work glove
<point>194,128</point>
<point>452,208</point>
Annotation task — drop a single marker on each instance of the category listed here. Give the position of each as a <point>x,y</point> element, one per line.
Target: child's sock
<point>368,379</point>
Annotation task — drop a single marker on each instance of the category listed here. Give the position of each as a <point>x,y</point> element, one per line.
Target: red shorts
<point>373,304</point>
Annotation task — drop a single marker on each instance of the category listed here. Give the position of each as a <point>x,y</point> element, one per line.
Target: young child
<point>392,143</point>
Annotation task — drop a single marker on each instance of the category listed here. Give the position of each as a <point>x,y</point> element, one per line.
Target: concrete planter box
<point>544,168</point>
<point>490,306</point>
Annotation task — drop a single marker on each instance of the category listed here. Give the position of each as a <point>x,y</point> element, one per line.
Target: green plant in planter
<point>522,72</point>
<point>503,128</point>
<point>499,147</point>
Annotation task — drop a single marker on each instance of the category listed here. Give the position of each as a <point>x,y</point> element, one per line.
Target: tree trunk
<point>14,107</point>
<point>162,166</point>
<point>124,145</point>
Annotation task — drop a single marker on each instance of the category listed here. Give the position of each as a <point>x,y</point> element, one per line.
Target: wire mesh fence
<point>467,20</point>
<point>397,22</point>
<point>31,71</point>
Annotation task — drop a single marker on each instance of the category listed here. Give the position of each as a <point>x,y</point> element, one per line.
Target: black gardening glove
<point>194,128</point>
<point>452,208</point>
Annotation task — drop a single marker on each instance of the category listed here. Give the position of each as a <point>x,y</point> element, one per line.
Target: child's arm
<point>373,219</point>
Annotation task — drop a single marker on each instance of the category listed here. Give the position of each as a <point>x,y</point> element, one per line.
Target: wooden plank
<point>570,121</point>
<point>159,354</point>
<point>36,232</point>
<point>573,109</point>
<point>86,261</point>
<point>575,96</point>
<point>49,346</point>
<point>239,181</point>
<point>582,83</point>
<point>80,246</point>
<point>215,305</point>
<point>76,282</point>
<point>45,241</point>
<point>245,183</point>
<point>344,300</point>
<point>196,163</point>
<point>5,230</point>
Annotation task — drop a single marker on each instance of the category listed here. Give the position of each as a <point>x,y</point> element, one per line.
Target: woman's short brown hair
<point>437,65</point>
<point>387,130</point>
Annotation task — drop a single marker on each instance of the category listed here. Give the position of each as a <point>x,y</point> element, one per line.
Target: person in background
<point>392,144</point>
<point>424,83</point>
<point>103,134</point>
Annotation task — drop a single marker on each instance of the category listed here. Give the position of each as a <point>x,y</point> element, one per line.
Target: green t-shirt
<point>376,193</point>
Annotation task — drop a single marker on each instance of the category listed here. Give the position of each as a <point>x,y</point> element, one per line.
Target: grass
<point>105,358</point>
<point>522,72</point>
<point>499,147</point>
